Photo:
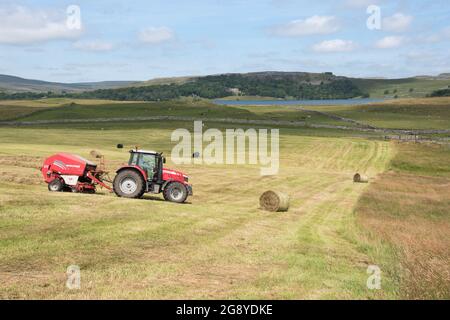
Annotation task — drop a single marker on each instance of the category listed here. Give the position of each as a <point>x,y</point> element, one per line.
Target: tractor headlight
<point>186,179</point>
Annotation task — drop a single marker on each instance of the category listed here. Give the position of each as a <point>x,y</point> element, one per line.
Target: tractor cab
<point>150,162</point>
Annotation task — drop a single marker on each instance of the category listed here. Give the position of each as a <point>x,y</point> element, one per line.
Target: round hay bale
<point>274,201</point>
<point>360,178</point>
<point>96,154</point>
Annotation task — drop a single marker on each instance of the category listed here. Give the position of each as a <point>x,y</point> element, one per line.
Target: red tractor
<point>144,173</point>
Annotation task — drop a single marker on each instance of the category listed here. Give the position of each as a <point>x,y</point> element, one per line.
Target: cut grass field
<point>220,245</point>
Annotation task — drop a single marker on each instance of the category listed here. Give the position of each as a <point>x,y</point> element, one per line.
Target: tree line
<point>440,93</point>
<point>213,87</point>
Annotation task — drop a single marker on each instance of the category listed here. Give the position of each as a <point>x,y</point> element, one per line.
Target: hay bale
<point>96,154</point>
<point>360,178</point>
<point>274,201</point>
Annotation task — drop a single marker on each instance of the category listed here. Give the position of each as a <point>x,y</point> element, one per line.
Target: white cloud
<point>336,45</point>
<point>156,35</point>
<point>312,25</point>
<point>390,42</point>
<point>398,22</point>
<point>93,45</point>
<point>22,25</point>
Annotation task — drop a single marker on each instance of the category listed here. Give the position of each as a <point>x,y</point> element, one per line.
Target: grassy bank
<point>402,88</point>
<point>407,209</point>
<point>429,113</point>
<point>82,109</point>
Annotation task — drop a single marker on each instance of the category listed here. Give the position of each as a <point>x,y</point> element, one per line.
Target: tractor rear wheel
<point>175,192</point>
<point>129,184</point>
<point>55,185</point>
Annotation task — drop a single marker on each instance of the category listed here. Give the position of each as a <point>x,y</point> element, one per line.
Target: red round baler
<point>65,171</point>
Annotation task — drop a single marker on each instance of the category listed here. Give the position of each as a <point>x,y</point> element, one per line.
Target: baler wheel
<point>55,185</point>
<point>129,184</point>
<point>175,192</point>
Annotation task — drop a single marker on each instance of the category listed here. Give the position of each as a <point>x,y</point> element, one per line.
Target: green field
<point>220,244</point>
<point>20,109</point>
<point>402,88</point>
<point>98,109</point>
<point>430,113</point>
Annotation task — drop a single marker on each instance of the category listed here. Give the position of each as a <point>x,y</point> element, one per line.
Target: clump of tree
<point>26,95</point>
<point>213,87</point>
<point>440,93</point>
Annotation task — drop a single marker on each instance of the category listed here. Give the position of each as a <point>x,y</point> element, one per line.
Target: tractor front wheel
<point>129,184</point>
<point>175,192</point>
<point>55,185</point>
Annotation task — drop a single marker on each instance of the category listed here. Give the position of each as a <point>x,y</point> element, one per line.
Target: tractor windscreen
<point>133,159</point>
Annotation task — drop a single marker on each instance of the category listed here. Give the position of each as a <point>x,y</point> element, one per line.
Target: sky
<point>81,41</point>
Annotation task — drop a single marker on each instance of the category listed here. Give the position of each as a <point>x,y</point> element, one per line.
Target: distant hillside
<point>168,80</point>
<point>271,84</point>
<point>17,84</point>
<point>442,76</point>
<point>414,87</point>
<point>285,85</point>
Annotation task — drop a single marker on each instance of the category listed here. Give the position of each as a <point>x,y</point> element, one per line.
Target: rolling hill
<point>414,87</point>
<point>274,84</point>
<point>16,84</point>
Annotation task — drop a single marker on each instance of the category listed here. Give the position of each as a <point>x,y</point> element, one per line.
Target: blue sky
<point>139,40</point>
